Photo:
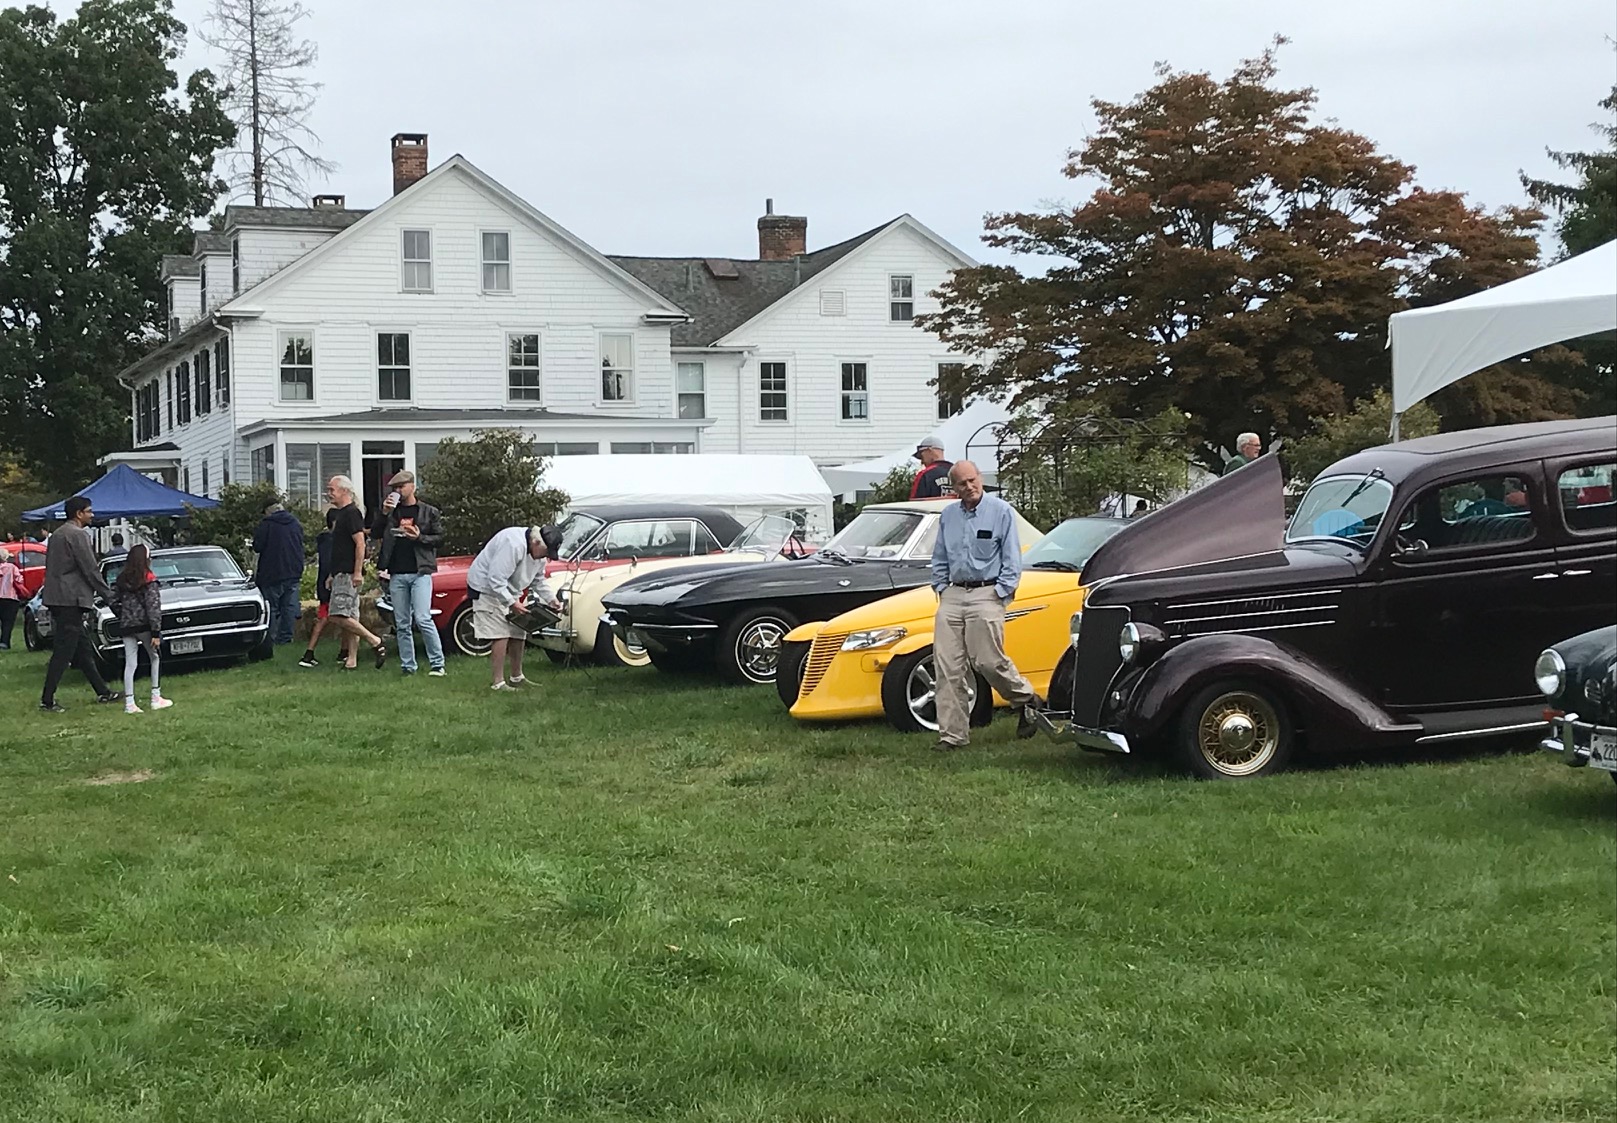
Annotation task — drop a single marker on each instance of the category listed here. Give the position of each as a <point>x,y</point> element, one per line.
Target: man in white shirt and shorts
<point>507,570</point>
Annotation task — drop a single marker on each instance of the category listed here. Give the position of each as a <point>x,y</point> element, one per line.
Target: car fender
<point>1334,713</point>
<point>915,641</point>
<point>805,633</point>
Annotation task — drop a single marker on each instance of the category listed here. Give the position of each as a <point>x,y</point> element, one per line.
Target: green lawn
<point>627,896</point>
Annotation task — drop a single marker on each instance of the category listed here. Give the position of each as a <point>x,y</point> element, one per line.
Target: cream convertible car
<point>580,634</point>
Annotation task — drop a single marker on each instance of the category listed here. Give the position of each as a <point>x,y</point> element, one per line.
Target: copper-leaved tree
<point>1236,260</point>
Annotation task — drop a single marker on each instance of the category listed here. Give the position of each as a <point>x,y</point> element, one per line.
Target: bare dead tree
<point>269,95</point>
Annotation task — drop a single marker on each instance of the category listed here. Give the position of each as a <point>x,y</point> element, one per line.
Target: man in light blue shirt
<point>976,566</point>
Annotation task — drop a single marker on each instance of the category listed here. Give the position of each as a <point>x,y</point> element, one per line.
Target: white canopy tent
<point>745,486</point>
<point>964,428</point>
<point>1432,347</point>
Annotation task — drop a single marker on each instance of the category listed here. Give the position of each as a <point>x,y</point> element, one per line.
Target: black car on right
<point>1398,606</point>
<point>1579,678</point>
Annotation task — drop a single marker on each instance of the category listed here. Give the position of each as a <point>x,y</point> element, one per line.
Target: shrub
<point>1364,426</point>
<point>241,508</point>
<point>486,484</point>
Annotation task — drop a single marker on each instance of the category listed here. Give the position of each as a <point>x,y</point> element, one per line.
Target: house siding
<point>265,251</point>
<point>900,359</point>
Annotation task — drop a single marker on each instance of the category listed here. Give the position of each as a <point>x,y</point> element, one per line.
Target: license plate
<point>1603,746</point>
<point>184,646</point>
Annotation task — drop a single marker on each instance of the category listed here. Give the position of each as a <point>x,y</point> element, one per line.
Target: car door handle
<point>1576,572</point>
<point>1545,576</point>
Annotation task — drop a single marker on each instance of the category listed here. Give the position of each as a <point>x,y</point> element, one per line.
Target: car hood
<point>776,579</point>
<point>1240,515</point>
<point>917,607</point>
<point>1591,669</point>
<point>672,570</point>
<point>1233,577</point>
<point>213,592</point>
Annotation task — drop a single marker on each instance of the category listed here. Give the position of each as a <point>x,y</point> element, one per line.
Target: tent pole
<point>1393,434</point>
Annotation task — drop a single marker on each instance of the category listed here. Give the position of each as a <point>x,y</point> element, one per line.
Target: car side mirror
<point>1410,547</point>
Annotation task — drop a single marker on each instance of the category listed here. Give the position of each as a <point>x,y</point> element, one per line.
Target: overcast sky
<point>658,127</point>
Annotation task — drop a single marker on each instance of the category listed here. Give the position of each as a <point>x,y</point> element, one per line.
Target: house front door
<point>380,460</point>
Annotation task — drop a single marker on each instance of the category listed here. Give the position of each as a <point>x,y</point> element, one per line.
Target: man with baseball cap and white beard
<point>932,481</point>
<point>505,573</point>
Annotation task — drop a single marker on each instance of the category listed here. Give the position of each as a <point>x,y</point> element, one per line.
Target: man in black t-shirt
<point>932,481</point>
<point>348,568</point>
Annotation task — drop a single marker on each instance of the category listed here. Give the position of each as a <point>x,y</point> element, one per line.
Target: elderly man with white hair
<point>348,569</point>
<point>1248,447</point>
<point>502,576</point>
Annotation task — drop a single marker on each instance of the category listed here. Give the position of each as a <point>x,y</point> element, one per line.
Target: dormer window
<point>202,289</point>
<point>417,261</point>
<point>235,265</point>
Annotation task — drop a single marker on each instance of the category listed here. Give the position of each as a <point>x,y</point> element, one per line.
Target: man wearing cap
<point>932,481</point>
<point>503,575</point>
<point>410,532</point>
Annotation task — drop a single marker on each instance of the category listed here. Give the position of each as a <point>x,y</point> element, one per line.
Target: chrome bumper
<point>1057,725</point>
<point>1572,740</point>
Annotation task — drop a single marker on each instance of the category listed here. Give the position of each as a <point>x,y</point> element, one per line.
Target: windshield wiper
<point>1056,564</point>
<point>1374,475</point>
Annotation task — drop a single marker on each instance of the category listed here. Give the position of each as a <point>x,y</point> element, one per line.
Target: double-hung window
<point>772,392</point>
<point>169,398</point>
<point>297,366</point>
<point>855,392</point>
<point>221,371</point>
<point>416,266</point>
<point>901,298</point>
<point>617,368</point>
<point>690,381</point>
<point>235,265</point>
<point>204,382</point>
<point>182,379</point>
<point>393,366</point>
<point>496,261</point>
<point>202,290</point>
<point>523,367</point>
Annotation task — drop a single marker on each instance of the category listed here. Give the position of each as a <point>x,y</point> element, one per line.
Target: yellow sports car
<point>877,659</point>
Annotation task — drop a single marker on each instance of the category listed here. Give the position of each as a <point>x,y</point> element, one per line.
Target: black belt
<point>973,584</point>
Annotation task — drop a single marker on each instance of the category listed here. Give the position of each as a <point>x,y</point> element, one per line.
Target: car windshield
<point>1341,508</point>
<point>576,529</point>
<point>1070,545</point>
<point>182,569</point>
<point>875,534</point>
<point>767,534</point>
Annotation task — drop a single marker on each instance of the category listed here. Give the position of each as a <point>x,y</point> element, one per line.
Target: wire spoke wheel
<point>1238,733</point>
<point>758,648</point>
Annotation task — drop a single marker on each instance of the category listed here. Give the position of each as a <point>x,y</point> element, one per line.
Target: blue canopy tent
<point>124,493</point>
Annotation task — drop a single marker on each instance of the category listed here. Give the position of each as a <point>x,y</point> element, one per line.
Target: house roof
<point>179,265</point>
<point>327,218</point>
<point>173,348</point>
<point>209,242</point>
<point>720,304</point>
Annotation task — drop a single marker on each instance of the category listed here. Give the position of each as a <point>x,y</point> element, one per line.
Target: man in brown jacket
<point>72,582</point>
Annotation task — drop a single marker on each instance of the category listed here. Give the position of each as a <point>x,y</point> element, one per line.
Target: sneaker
<point>502,685</point>
<point>437,672</point>
<point>946,747</point>
<point>308,660</point>
<point>161,703</point>
<point>1026,724</point>
<point>53,707</point>
<point>406,670</point>
<point>131,708</point>
<point>110,697</point>
<point>520,680</point>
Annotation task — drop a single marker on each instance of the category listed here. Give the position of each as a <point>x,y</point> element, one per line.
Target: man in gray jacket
<point>72,582</point>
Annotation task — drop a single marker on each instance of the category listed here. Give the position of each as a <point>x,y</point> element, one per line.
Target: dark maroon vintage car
<point>1402,605</point>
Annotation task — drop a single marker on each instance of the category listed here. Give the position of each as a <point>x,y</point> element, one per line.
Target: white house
<point>309,341</point>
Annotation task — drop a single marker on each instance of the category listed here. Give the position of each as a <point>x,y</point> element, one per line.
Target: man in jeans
<point>411,532</point>
<point>72,582</point>
<point>278,542</point>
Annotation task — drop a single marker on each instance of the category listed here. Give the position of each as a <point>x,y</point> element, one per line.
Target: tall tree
<point>269,95</point>
<point>1237,261</point>
<point>103,167</point>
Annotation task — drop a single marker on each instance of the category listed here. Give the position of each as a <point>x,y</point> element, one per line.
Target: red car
<point>591,537</point>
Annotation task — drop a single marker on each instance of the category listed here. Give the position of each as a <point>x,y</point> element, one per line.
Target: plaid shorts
<point>344,597</point>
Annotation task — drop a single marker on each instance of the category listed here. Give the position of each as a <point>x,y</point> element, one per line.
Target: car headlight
<point>1128,642</point>
<point>1077,621</point>
<point>1550,673</point>
<point>874,638</point>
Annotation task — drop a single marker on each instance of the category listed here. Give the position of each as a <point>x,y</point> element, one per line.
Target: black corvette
<point>736,616</point>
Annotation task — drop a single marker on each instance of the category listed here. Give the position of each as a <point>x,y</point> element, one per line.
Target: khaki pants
<point>970,634</point>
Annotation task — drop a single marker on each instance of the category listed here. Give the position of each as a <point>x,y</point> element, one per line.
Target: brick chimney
<point>409,159</point>
<point>781,237</point>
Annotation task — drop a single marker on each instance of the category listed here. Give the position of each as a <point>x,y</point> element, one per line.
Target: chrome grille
<point>1275,612</point>
<point>824,650</point>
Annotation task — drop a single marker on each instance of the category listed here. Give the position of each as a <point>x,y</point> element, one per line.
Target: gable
<point>456,204</point>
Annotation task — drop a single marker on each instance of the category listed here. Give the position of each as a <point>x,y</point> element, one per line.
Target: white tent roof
<point>746,486</point>
<point>963,428</point>
<point>1432,347</point>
